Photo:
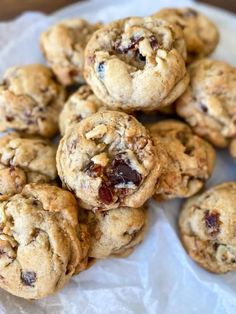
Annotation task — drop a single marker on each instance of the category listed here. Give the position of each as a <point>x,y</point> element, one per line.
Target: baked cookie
<point>63,46</point>
<point>25,160</point>
<point>30,100</point>
<point>137,64</point>
<point>208,104</point>
<point>207,228</point>
<point>115,232</point>
<point>80,105</point>
<point>200,34</point>
<point>39,246</point>
<point>188,160</point>
<point>109,161</point>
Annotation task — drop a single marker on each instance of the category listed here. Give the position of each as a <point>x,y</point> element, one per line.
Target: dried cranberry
<point>28,278</point>
<point>212,221</point>
<point>93,169</point>
<point>105,194</point>
<point>120,172</point>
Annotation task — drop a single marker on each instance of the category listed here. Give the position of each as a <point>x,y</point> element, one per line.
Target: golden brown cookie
<point>115,232</point>
<point>187,160</point>
<point>207,228</point>
<point>30,100</point>
<point>80,105</point>
<point>108,160</point>
<point>63,46</point>
<point>39,245</point>
<point>208,105</point>
<point>25,160</point>
<point>137,64</point>
<point>201,34</point>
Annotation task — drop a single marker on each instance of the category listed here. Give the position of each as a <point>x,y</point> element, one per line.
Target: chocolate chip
<point>120,172</point>
<point>141,57</point>
<point>105,194</point>
<point>101,69</point>
<point>28,278</point>
<point>73,73</point>
<point>189,150</point>
<point>10,118</point>
<point>182,137</point>
<point>203,107</point>
<point>153,42</point>
<point>212,222</point>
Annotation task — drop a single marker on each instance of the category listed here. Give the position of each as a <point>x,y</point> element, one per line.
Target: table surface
<point>11,8</point>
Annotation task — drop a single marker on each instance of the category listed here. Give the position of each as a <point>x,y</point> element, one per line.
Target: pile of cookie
<point>63,206</point>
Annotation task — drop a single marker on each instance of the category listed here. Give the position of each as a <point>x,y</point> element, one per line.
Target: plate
<point>158,277</point>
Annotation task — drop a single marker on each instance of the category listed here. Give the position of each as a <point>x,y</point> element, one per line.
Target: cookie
<point>115,232</point>
<point>208,104</point>
<point>25,160</point>
<point>201,34</point>
<point>137,64</point>
<point>30,100</point>
<point>232,148</point>
<point>63,46</point>
<point>207,228</point>
<point>39,246</point>
<point>108,160</point>
<point>188,160</point>
<point>80,105</point>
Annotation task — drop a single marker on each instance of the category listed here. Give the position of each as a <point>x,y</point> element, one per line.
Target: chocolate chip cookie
<point>63,46</point>
<point>25,160</point>
<point>39,245</point>
<point>207,228</point>
<point>200,34</point>
<point>115,232</point>
<point>187,160</point>
<point>80,105</point>
<point>30,100</point>
<point>208,104</point>
<point>108,160</point>
<point>137,64</point>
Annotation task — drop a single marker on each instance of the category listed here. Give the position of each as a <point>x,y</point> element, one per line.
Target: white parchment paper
<point>158,277</point>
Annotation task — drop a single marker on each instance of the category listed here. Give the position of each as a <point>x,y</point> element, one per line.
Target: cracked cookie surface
<point>115,232</point>
<point>137,64</point>
<point>188,160</point>
<point>80,105</point>
<point>207,228</point>
<point>108,160</point>
<point>39,245</point>
<point>25,160</point>
<point>63,46</point>
<point>208,105</point>
<point>30,100</point>
<point>200,34</point>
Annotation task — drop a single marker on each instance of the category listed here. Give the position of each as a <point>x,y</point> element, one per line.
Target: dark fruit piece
<point>153,42</point>
<point>28,278</point>
<point>105,194</point>
<point>121,172</point>
<point>93,170</point>
<point>212,221</point>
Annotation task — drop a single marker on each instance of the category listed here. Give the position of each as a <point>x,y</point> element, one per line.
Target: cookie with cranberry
<point>25,160</point>
<point>80,105</point>
<point>63,46</point>
<point>207,228</point>
<point>188,160</point>
<point>137,64</point>
<point>115,232</point>
<point>208,105</point>
<point>201,34</point>
<point>30,100</point>
<point>109,161</point>
<point>39,243</point>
